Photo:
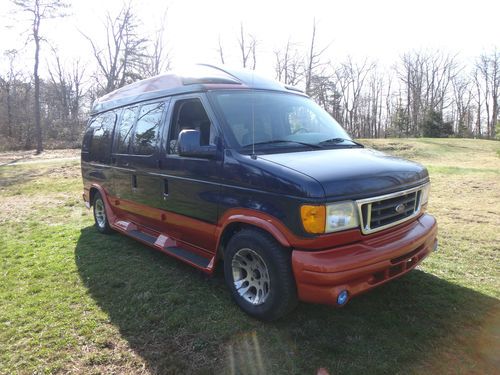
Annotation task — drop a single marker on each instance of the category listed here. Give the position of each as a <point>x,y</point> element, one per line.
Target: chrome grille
<point>385,211</point>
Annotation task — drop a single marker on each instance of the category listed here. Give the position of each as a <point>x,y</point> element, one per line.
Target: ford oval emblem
<point>400,208</point>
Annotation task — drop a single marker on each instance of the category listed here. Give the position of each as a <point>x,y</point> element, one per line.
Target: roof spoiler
<point>294,88</point>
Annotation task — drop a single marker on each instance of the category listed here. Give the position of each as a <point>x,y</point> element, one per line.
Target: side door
<point>191,185</point>
<point>136,161</point>
<point>144,154</point>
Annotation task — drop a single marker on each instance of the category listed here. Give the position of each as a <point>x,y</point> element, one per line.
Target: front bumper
<point>358,267</point>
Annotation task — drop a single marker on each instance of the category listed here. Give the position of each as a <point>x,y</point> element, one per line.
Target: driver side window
<point>190,114</point>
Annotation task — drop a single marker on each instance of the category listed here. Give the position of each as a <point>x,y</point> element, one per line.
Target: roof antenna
<point>254,156</point>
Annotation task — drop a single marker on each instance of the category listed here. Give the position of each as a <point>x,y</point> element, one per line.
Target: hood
<point>353,173</point>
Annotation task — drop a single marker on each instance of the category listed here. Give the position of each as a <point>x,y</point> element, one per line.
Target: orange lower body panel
<point>358,267</point>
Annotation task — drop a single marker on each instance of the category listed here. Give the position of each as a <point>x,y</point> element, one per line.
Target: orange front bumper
<point>358,267</point>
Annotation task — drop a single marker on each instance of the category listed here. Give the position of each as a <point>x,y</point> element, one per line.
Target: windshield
<point>279,120</point>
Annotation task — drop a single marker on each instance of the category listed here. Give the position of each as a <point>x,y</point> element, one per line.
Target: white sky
<point>379,29</point>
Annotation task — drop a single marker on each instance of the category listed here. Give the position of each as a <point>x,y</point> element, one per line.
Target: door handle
<point>165,189</point>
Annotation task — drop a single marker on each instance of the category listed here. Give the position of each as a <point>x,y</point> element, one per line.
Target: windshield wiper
<point>282,141</point>
<point>339,140</point>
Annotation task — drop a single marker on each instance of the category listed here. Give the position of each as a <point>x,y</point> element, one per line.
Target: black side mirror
<point>189,145</point>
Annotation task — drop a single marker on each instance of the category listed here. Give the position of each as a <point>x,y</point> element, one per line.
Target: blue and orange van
<point>224,165</point>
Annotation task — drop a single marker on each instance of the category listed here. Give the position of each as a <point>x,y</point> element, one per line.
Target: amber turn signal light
<point>313,218</point>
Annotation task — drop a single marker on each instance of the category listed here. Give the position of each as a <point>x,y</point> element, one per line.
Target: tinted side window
<point>101,136</point>
<point>125,130</point>
<point>190,114</point>
<point>146,129</point>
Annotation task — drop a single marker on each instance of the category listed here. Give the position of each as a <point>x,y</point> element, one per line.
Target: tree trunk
<point>9,110</point>
<point>36,37</point>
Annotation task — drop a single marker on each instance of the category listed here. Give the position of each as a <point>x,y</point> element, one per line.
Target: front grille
<point>385,211</point>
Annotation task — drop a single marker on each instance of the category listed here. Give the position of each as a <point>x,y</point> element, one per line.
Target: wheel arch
<point>236,222</point>
<point>93,190</point>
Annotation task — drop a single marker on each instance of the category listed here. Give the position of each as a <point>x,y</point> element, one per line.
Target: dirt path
<point>17,157</point>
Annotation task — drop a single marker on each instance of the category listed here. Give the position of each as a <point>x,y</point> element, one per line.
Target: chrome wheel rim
<point>100,213</point>
<point>251,276</point>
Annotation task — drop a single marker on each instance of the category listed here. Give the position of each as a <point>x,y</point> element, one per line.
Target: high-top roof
<point>201,77</point>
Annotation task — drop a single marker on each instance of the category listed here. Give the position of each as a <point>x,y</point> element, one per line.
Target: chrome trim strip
<point>365,227</point>
<point>368,216</point>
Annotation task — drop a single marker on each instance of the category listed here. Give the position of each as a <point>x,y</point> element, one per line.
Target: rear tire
<point>258,272</point>
<point>100,215</point>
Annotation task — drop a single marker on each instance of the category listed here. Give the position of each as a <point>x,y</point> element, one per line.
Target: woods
<point>423,93</point>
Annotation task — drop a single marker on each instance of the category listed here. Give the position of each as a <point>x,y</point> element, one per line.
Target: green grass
<point>75,301</point>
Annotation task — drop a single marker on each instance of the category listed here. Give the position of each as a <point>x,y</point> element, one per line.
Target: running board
<point>169,246</point>
<point>144,237</point>
<point>189,256</point>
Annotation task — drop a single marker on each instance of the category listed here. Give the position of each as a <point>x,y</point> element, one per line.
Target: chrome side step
<point>167,245</point>
<point>181,253</point>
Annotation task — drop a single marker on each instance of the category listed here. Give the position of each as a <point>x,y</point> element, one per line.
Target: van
<point>224,165</point>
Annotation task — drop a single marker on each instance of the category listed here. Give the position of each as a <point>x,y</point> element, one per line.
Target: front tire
<point>100,215</point>
<point>258,272</point>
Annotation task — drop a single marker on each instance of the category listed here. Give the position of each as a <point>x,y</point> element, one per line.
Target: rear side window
<point>100,135</point>
<point>146,129</point>
<point>124,132</point>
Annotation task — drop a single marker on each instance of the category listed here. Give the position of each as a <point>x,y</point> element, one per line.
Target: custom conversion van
<point>223,165</point>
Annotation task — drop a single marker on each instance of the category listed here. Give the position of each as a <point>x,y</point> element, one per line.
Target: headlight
<point>330,218</point>
<point>424,199</point>
<point>341,216</point>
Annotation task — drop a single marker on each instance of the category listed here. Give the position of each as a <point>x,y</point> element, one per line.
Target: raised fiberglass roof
<point>201,77</point>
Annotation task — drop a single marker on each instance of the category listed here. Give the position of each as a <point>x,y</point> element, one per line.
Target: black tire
<point>100,214</point>
<point>281,295</point>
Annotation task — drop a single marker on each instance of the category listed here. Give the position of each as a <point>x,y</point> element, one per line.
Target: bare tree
<point>158,57</point>
<point>248,46</point>
<point>67,95</point>
<point>76,77</point>
<point>60,85</point>
<point>426,79</point>
<point>288,66</point>
<point>479,101</point>
<point>121,60</point>
<point>16,105</point>
<point>313,60</point>
<point>9,84</point>
<point>351,77</point>
<point>220,51</point>
<point>462,111</point>
<point>38,11</point>
<point>487,77</point>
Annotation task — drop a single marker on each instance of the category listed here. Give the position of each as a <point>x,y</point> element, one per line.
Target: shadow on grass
<point>180,321</point>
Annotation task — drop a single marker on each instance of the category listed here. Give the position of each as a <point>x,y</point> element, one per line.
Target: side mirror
<point>189,145</point>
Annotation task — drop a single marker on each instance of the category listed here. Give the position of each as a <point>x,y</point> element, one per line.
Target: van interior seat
<point>191,115</point>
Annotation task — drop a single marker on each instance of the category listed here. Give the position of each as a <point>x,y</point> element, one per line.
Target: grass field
<point>75,301</point>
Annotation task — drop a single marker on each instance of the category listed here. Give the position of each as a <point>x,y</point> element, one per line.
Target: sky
<point>381,30</point>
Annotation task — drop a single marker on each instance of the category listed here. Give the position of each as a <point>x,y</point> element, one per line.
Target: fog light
<point>342,297</point>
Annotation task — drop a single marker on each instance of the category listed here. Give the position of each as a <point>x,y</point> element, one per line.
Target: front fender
<point>255,218</point>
